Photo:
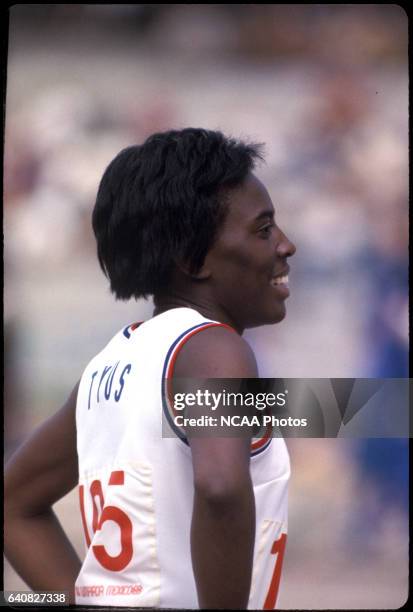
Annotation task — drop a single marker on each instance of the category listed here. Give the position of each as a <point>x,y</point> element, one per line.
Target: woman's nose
<point>285,248</point>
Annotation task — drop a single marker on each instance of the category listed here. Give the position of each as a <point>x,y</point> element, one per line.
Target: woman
<point>169,521</point>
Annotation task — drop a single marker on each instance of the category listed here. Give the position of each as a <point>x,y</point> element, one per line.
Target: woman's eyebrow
<point>269,213</point>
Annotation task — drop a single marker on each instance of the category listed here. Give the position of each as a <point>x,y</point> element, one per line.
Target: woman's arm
<point>223,517</point>
<point>41,472</point>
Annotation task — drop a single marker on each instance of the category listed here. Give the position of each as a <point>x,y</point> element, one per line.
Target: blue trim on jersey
<point>178,340</point>
<point>165,409</point>
<point>164,383</point>
<point>263,448</point>
<point>126,331</point>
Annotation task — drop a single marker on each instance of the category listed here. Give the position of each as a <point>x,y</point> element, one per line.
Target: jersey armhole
<point>167,374</point>
<point>258,446</point>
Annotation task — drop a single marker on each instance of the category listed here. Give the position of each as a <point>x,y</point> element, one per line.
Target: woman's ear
<point>202,274</point>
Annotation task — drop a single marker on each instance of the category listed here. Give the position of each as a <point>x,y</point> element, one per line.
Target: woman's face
<point>248,261</point>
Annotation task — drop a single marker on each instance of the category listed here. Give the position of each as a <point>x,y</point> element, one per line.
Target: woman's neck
<point>204,306</point>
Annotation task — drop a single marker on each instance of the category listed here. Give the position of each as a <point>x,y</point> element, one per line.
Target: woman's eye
<point>266,230</point>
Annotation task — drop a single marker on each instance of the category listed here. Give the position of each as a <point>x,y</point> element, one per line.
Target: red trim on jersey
<point>255,446</point>
<point>259,443</point>
<point>171,365</point>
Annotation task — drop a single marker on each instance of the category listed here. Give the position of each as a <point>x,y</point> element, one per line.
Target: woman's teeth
<point>280,280</point>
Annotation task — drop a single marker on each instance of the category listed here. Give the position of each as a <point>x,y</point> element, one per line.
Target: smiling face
<point>248,261</point>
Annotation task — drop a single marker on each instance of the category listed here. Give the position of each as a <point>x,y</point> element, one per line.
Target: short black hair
<point>162,202</point>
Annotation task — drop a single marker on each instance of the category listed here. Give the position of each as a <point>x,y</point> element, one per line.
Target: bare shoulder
<point>216,352</point>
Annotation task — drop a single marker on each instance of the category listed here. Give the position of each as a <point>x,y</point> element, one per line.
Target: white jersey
<point>136,486</point>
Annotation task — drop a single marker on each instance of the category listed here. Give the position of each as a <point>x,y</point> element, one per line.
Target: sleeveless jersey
<point>136,487</point>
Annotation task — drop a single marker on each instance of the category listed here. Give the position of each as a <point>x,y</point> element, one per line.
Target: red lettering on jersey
<point>117,478</point>
<point>118,563</point>
<point>277,549</point>
<point>108,513</point>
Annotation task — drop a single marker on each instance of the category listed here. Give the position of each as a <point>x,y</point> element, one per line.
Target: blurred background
<point>326,88</point>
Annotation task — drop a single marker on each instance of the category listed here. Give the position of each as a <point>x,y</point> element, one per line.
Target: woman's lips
<point>280,284</point>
